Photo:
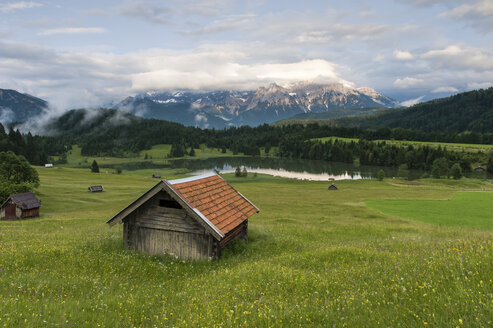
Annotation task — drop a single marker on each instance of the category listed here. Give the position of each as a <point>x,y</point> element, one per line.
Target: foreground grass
<point>315,258</point>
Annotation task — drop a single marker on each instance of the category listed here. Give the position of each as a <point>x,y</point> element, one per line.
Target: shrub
<point>456,171</point>
<point>381,175</point>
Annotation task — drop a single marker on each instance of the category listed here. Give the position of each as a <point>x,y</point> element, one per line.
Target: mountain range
<point>19,107</point>
<point>219,109</point>
<point>224,108</point>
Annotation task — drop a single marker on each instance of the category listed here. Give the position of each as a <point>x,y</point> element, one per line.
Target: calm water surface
<point>288,168</point>
<point>282,167</point>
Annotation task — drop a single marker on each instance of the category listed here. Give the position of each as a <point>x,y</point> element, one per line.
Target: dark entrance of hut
<point>10,212</point>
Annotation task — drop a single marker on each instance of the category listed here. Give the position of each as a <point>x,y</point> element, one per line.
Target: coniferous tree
<point>94,167</point>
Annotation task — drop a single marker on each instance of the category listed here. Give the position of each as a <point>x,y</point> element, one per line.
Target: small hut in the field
<point>156,176</point>
<point>20,206</point>
<point>97,188</point>
<point>333,187</point>
<point>191,218</point>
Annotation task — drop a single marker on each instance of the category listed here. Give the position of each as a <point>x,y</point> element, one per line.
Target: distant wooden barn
<point>20,206</point>
<point>192,218</point>
<point>333,187</point>
<point>479,169</point>
<point>98,188</point>
<point>156,176</point>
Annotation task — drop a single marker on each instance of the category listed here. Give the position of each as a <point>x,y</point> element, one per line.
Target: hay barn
<point>333,187</point>
<point>479,169</point>
<point>192,218</point>
<point>20,206</point>
<point>98,188</point>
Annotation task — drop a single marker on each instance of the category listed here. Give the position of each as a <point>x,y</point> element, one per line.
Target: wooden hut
<point>20,206</point>
<point>156,176</point>
<point>479,169</point>
<point>192,218</point>
<point>333,187</point>
<point>98,188</point>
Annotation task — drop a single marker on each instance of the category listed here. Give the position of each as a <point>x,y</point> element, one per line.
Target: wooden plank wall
<point>189,246</point>
<point>156,230</point>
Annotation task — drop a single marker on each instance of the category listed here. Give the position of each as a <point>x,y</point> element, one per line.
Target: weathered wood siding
<point>19,213</point>
<point>157,229</point>
<point>30,213</point>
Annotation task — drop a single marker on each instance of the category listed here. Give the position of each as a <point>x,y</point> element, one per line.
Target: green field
<point>449,146</point>
<point>158,154</point>
<point>314,258</point>
<point>465,209</point>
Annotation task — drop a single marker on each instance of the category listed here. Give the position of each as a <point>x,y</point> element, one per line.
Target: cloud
<point>426,3</point>
<point>446,89</point>
<point>412,102</point>
<point>408,82</point>
<point>73,30</point>
<point>139,10</point>
<point>402,55</point>
<point>87,79</point>
<point>458,56</point>
<point>476,85</point>
<point>220,71</point>
<point>223,25</point>
<point>5,8</point>
<point>6,115</point>
<point>478,15</point>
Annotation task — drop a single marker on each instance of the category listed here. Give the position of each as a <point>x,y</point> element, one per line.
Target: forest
<point>468,111</point>
<point>107,132</point>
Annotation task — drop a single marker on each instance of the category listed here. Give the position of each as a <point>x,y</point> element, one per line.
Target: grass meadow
<point>158,154</point>
<point>315,258</point>
<point>470,148</point>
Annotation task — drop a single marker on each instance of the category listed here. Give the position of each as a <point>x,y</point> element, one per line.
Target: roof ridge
<point>192,178</point>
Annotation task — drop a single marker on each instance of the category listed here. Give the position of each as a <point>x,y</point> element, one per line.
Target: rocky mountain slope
<point>220,109</point>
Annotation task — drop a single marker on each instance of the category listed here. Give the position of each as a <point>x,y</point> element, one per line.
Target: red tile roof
<point>216,199</point>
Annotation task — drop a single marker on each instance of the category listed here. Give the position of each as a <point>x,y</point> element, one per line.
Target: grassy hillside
<point>314,258</point>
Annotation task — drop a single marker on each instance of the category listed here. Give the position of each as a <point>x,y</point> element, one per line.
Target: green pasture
<point>326,139</point>
<point>158,154</point>
<point>315,258</point>
<point>450,146</point>
<point>465,209</point>
<point>471,148</point>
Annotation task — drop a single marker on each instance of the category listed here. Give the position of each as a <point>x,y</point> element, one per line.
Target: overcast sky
<point>89,53</point>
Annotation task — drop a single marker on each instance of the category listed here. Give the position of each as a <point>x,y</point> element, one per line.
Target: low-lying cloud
<point>73,30</point>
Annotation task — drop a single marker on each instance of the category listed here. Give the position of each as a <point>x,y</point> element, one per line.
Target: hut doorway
<point>10,212</point>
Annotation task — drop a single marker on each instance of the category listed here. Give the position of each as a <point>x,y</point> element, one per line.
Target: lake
<point>283,167</point>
